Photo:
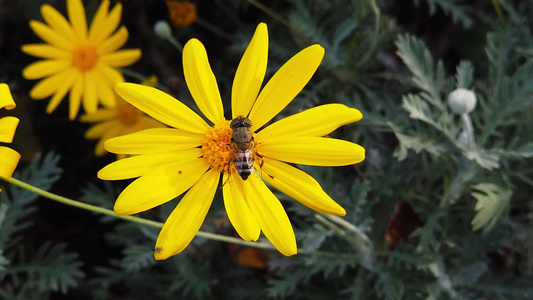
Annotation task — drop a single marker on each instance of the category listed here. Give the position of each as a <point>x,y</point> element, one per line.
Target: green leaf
<point>525,151</point>
<point>417,58</point>
<point>471,274</point>
<point>417,143</point>
<point>459,13</point>
<point>389,287</point>
<point>41,173</point>
<point>492,204</point>
<point>52,269</point>
<point>137,258</point>
<point>417,108</point>
<point>465,74</point>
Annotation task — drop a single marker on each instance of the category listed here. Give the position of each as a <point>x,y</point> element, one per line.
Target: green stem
<point>498,11</point>
<point>111,213</point>
<point>175,43</point>
<point>213,28</point>
<point>140,77</point>
<point>272,13</point>
<point>469,129</point>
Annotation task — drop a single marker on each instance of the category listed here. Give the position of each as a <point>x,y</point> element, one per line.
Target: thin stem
<point>131,73</point>
<point>469,129</point>
<point>175,43</point>
<point>140,77</point>
<point>212,28</point>
<point>111,213</point>
<point>270,12</point>
<point>498,11</point>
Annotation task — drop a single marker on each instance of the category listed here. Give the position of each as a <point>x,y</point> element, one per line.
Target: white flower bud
<point>162,29</point>
<point>462,101</point>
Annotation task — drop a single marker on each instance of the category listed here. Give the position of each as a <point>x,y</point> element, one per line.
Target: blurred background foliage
<point>428,215</point>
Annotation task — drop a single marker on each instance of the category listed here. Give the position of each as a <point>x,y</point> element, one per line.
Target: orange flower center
<point>215,147</point>
<point>181,13</point>
<point>127,113</point>
<point>85,57</point>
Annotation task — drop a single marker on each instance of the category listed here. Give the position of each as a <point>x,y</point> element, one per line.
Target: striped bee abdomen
<point>244,162</point>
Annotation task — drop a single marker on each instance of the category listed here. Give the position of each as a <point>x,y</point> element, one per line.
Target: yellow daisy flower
<point>122,119</point>
<point>192,155</point>
<point>9,158</point>
<point>76,59</point>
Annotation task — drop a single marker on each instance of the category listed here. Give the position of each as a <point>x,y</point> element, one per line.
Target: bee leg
<point>229,174</point>
<point>261,163</point>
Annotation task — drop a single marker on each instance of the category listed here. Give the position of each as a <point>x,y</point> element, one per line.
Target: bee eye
<point>246,122</point>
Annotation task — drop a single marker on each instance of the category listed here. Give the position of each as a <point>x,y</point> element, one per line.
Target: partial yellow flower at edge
<point>78,60</point>
<point>9,158</point>
<point>120,120</point>
<point>190,156</point>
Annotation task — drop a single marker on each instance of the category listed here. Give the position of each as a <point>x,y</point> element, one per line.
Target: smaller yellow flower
<point>122,119</point>
<point>78,59</point>
<point>181,13</point>
<point>9,158</point>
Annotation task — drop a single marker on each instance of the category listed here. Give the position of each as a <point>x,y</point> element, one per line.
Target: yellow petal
<point>97,24</point>
<point>6,100</point>
<point>98,130</point>
<point>314,151</point>
<point>90,95</point>
<point>187,218</point>
<point>139,165</point>
<point>104,90</point>
<point>112,74</point>
<point>201,81</point>
<point>70,78</point>
<point>237,208</point>
<point>48,86</point>
<point>149,122</point>
<point>160,185</point>
<point>75,97</point>
<point>113,131</point>
<point>122,58</point>
<point>162,107</point>
<point>50,36</point>
<point>270,215</point>
<point>114,42</point>
<point>100,115</point>
<point>46,51</point>
<point>317,121</point>
<point>155,140</point>
<point>8,125</point>
<point>300,186</point>
<point>9,159</point>
<point>58,23</point>
<point>250,73</point>
<point>99,150</point>
<point>105,27</point>
<point>76,15</point>
<point>288,81</point>
<point>44,68</point>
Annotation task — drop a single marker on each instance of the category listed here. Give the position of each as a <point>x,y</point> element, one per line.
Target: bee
<point>242,146</point>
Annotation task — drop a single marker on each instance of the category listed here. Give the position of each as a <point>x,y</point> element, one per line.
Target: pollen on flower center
<point>215,146</point>
<point>85,57</point>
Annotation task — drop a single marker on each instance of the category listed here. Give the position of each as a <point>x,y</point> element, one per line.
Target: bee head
<point>240,121</point>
